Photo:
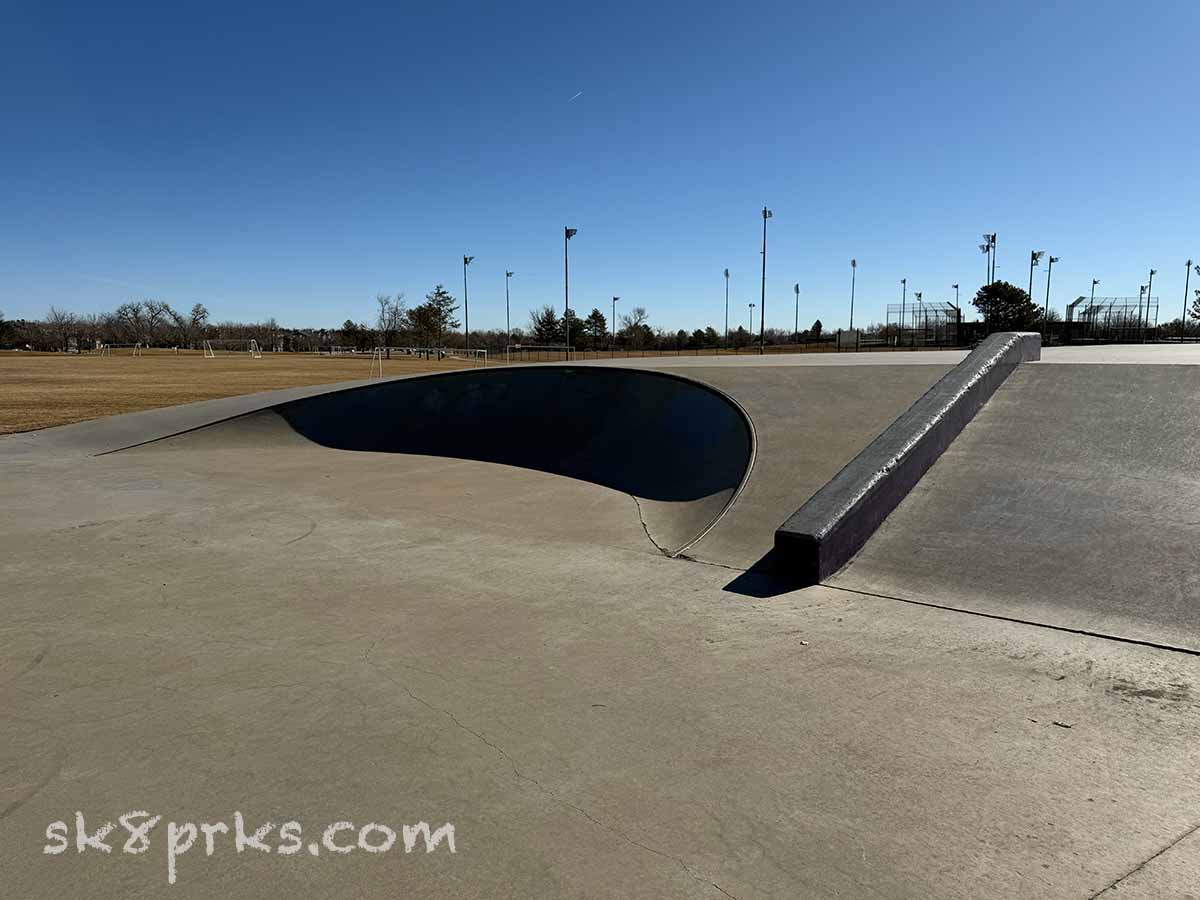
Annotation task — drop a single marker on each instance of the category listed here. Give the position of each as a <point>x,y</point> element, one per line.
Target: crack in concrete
<point>705,562</point>
<point>449,714</point>
<point>1145,862</point>
<point>646,528</point>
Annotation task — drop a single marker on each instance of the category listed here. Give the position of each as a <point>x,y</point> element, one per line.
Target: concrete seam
<point>1154,645</point>
<point>1145,862</point>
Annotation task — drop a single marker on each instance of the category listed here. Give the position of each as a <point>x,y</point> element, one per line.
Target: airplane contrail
<point>576,97</point>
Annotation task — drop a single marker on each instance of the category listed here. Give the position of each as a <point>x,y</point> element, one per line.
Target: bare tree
<point>383,323</point>
<point>157,313</point>
<point>196,323</point>
<point>636,332</point>
<point>88,330</point>
<point>61,324</point>
<point>398,320</point>
<point>130,321</point>
<point>637,316</point>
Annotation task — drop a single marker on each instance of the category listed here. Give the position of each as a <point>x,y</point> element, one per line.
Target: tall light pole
<point>903,300</point>
<point>919,295</point>
<point>752,305</point>
<point>957,315</point>
<point>796,288</point>
<point>1035,257</point>
<point>853,274</point>
<point>986,248</point>
<point>466,306</point>
<point>1183,319</point>
<point>1046,310</point>
<point>568,233</point>
<point>1187,280</point>
<point>612,348</point>
<point>726,307</point>
<point>1149,288</point>
<point>762,322</point>
<point>507,320</point>
<point>1092,306</point>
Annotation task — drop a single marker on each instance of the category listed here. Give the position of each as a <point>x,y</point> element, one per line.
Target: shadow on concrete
<point>681,445</point>
<point>765,579</point>
<point>651,435</point>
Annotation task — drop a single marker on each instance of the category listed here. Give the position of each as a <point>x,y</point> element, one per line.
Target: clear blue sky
<point>294,161</point>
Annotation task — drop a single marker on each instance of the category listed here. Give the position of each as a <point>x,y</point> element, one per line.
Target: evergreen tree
<point>545,325</point>
<point>1005,307</point>
<point>571,330</point>
<point>433,318</point>
<point>596,327</point>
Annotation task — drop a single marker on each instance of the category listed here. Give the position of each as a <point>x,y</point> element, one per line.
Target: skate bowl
<point>680,448</point>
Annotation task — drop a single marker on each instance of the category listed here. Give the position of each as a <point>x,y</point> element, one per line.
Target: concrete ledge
<point>822,536</point>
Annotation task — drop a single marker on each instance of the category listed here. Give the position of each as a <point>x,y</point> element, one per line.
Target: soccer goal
<point>475,357</point>
<point>231,347</point>
<point>122,349</point>
<point>538,353</point>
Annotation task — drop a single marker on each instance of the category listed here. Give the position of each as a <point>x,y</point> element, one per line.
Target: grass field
<point>40,390</point>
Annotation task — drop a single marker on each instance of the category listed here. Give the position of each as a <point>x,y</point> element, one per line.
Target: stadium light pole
<point>568,233</point>
<point>796,288</point>
<point>507,314</point>
<point>921,307</point>
<point>1035,257</point>
<point>1187,280</point>
<point>957,315</point>
<point>1046,310</point>
<point>466,306</point>
<point>612,348</point>
<point>995,254</point>
<point>762,311</point>
<point>1149,288</point>
<point>903,300</point>
<point>853,275</point>
<point>752,305</point>
<point>726,307</point>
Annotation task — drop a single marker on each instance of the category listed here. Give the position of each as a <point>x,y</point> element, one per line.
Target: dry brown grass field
<point>40,390</point>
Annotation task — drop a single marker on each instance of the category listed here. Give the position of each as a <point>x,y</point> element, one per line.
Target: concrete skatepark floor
<point>241,619</point>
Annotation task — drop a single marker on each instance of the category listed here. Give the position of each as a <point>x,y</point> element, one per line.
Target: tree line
<point>151,323</point>
<point>437,322</point>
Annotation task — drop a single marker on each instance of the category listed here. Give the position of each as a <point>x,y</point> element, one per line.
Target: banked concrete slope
<point>1071,500</point>
<point>680,448</point>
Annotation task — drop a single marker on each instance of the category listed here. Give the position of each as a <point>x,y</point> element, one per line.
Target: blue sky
<point>296,160</point>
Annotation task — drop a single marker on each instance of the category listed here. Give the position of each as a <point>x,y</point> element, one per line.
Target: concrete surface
<point>211,624</point>
<point>1072,499</point>
<point>679,448</point>
<point>819,538</point>
<point>809,421</point>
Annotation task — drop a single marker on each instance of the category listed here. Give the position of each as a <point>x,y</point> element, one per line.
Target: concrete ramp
<point>680,448</point>
<point>1071,500</point>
